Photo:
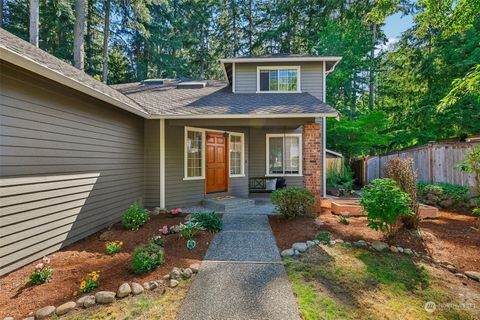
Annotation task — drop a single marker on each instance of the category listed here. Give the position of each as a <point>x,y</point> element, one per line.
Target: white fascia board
<point>35,67</point>
<point>281,59</point>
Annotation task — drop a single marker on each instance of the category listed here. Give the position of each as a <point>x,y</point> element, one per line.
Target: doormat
<point>224,198</point>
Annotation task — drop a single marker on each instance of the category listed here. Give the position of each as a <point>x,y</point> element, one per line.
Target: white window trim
<point>204,145</point>
<point>300,155</point>
<point>242,164</point>
<point>259,68</point>
<point>185,165</point>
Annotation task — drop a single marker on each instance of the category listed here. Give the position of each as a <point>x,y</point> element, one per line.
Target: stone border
<point>300,247</point>
<point>106,297</point>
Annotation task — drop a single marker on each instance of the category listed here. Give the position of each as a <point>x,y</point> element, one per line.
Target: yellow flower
<point>95,277</point>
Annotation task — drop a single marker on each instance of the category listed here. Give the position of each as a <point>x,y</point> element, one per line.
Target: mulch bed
<point>450,237</point>
<point>73,262</point>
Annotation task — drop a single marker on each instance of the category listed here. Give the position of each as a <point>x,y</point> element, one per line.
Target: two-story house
<point>75,153</point>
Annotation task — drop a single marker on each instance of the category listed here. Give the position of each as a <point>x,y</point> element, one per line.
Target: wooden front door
<point>216,175</point>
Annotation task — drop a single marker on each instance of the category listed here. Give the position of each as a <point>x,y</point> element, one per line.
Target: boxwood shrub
<point>147,258</point>
<point>293,202</point>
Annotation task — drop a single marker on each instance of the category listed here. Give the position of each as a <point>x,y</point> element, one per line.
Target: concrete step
<point>229,203</point>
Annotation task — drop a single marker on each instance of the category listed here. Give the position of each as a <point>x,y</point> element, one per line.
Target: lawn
<point>343,282</point>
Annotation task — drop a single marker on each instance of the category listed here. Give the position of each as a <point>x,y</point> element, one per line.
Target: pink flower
<point>176,211</point>
<point>165,230</point>
<point>39,266</point>
<point>46,260</point>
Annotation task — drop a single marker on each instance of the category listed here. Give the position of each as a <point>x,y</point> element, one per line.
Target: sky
<point>396,24</point>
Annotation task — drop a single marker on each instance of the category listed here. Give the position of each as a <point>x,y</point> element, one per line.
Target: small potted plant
<point>43,273</point>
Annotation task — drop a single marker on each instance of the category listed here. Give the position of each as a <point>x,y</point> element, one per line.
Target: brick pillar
<point>312,160</point>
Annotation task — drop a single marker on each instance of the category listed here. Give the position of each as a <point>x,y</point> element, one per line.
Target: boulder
<point>65,308</point>
<point>310,243</point>
<point>287,253</point>
<point>124,290</point>
<point>408,251</point>
<point>300,246</point>
<point>195,267</point>
<point>150,285</point>
<point>379,246</point>
<point>8,318</point>
<point>166,277</point>
<point>447,203</point>
<point>451,268</point>
<point>187,273</point>
<point>44,312</point>
<point>81,300</point>
<point>316,241</point>
<point>332,242</point>
<point>137,288</point>
<point>460,275</point>
<point>473,275</point>
<point>89,301</point>
<point>339,241</point>
<point>296,252</point>
<point>104,297</point>
<point>360,244</point>
<point>393,249</point>
<point>173,283</point>
<point>176,274</point>
<point>400,249</point>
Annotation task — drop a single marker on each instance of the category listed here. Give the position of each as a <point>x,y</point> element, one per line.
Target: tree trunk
<point>34,22</point>
<point>371,85</point>
<point>106,32</point>
<point>79,34</point>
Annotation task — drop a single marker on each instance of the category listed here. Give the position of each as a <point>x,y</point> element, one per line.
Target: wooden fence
<point>434,162</point>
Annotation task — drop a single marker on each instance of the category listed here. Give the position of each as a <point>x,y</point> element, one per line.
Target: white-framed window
<point>236,156</point>
<point>194,154</point>
<point>284,154</point>
<point>278,79</point>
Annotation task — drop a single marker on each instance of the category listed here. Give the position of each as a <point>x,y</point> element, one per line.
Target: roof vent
<point>192,85</point>
<point>152,82</point>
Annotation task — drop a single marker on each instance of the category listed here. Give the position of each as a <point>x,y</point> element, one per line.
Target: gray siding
<point>152,163</point>
<point>70,166</point>
<point>311,77</point>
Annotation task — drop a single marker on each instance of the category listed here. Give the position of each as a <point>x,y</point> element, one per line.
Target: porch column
<point>313,160</point>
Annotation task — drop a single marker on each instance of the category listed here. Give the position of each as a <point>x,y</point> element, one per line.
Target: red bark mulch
<point>73,262</point>
<point>451,237</point>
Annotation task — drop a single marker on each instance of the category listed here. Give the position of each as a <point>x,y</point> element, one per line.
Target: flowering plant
<point>43,273</point>
<point>176,211</point>
<point>113,247</point>
<point>90,282</point>
<point>166,230</point>
<point>158,240</point>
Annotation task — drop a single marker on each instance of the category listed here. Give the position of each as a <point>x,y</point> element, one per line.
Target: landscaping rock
<point>187,273</point>
<point>451,268</point>
<point>408,251</point>
<point>332,242</point>
<point>104,297</point>
<point>166,277</point>
<point>150,285</point>
<point>393,249</point>
<point>195,267</point>
<point>316,241</point>
<point>124,290</point>
<point>447,203</point>
<point>65,308</point>
<point>379,246</point>
<point>348,243</point>
<point>176,274</point>
<point>360,244</point>
<point>296,252</point>
<point>416,233</point>
<point>137,288</point>
<point>89,301</point>
<point>44,312</point>
<point>287,253</point>
<point>300,246</point>
<point>29,318</point>
<point>310,243</point>
<point>339,241</point>
<point>460,275</point>
<point>473,275</point>
<point>8,318</point>
<point>318,223</point>
<point>173,283</point>
<point>400,249</point>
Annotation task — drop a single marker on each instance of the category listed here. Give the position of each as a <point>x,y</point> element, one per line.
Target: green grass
<point>348,283</point>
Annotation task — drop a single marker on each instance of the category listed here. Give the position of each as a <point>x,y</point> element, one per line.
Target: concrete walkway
<point>242,276</point>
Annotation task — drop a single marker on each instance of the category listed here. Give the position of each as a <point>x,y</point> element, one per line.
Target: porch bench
<point>259,184</point>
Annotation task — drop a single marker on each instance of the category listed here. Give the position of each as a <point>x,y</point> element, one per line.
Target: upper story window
<point>278,79</point>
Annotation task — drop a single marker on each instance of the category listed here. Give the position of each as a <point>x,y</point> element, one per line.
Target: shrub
<point>340,180</point>
<point>208,221</point>
<point>323,236</point>
<point>471,164</point>
<point>293,202</point>
<point>442,194</point>
<point>385,203</point>
<point>189,229</point>
<point>113,247</point>
<point>402,170</point>
<point>43,273</point>
<point>134,217</point>
<point>476,213</point>
<point>158,240</point>
<point>343,220</point>
<point>90,282</point>
<point>147,258</point>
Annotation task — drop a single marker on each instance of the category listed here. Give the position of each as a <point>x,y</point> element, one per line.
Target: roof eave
<point>248,116</point>
<point>26,63</point>
<point>281,59</point>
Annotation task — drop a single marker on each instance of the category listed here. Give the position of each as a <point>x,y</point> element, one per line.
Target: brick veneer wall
<point>313,160</point>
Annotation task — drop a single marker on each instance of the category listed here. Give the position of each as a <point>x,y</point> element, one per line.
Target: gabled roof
<point>21,53</point>
<point>216,100</point>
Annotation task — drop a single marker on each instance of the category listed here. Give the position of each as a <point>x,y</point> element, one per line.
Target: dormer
<point>279,73</point>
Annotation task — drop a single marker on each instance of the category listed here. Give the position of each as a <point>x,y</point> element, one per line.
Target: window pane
<point>275,152</point>
<point>264,80</point>
<point>194,154</point>
<point>273,80</point>
<point>235,155</point>
<point>292,155</point>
